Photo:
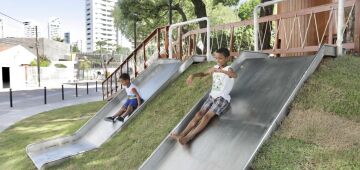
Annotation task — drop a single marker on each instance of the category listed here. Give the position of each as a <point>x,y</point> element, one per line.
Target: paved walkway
<point>31,102</point>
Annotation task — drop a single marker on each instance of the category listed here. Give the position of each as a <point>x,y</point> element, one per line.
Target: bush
<point>60,66</point>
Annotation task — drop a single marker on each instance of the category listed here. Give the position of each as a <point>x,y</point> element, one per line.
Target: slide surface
<point>97,131</point>
<point>261,96</point>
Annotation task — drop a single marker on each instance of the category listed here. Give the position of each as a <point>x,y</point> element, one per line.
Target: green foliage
<point>44,62</point>
<point>148,15</point>
<point>247,8</point>
<point>84,65</point>
<point>75,48</point>
<point>60,66</point>
<point>334,88</point>
<point>220,13</point>
<point>122,50</point>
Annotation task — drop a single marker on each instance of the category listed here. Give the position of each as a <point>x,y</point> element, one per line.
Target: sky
<point>71,12</point>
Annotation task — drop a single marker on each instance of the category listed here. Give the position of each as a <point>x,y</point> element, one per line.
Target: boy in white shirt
<point>218,100</point>
<point>134,99</point>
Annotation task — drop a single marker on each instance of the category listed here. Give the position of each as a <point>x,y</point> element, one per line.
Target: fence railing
<point>292,33</point>
<point>154,46</point>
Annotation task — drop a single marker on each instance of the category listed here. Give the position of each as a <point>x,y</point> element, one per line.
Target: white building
<point>14,61</point>
<point>54,28</point>
<point>30,29</point>
<point>100,24</point>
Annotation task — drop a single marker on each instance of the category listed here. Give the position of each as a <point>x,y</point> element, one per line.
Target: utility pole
<point>37,54</point>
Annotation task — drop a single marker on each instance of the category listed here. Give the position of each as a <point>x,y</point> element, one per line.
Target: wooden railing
<point>290,35</point>
<point>290,31</point>
<point>138,60</point>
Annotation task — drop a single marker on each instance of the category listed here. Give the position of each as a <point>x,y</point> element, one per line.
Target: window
<point>89,39</point>
<point>88,29</point>
<point>88,33</point>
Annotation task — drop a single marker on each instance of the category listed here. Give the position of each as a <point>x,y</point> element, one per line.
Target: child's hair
<point>124,76</point>
<point>224,51</point>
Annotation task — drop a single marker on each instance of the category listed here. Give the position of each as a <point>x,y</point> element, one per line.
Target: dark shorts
<point>131,102</point>
<point>217,106</point>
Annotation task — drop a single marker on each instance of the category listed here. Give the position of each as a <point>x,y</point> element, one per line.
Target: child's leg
<point>203,122</point>
<point>120,112</point>
<point>194,121</point>
<point>127,111</point>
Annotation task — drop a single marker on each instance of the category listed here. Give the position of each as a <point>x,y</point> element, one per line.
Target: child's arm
<point>137,96</point>
<point>231,73</point>
<point>201,74</point>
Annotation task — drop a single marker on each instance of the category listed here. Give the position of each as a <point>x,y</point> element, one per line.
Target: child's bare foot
<point>184,140</point>
<point>175,136</point>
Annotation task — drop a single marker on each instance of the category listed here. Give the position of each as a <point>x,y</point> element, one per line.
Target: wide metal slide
<point>97,131</point>
<point>261,96</point>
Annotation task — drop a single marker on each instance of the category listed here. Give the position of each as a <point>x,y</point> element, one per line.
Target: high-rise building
<point>54,28</point>
<point>30,29</point>
<point>67,37</point>
<point>100,24</point>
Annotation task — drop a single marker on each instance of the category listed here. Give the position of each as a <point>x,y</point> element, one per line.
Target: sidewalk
<point>8,119</point>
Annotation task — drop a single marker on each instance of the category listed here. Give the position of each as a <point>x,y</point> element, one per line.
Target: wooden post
<point>158,42</point>
<point>357,27</point>
<point>167,41</point>
<point>189,47</point>
<point>331,30</point>
<point>180,43</point>
<point>135,63</point>
<point>194,44</point>
<point>144,50</point>
<point>231,39</point>
<point>276,43</point>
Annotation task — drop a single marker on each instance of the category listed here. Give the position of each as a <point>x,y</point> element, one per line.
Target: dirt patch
<point>321,128</point>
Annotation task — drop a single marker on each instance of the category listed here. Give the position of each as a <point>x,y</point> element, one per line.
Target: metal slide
<point>262,93</point>
<point>97,131</point>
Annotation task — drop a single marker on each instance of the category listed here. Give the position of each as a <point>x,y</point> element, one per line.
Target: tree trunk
<point>200,11</point>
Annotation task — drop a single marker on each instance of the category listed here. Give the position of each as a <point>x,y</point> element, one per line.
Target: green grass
<point>335,88</point>
<point>128,149</point>
<point>45,125</point>
<point>325,117</point>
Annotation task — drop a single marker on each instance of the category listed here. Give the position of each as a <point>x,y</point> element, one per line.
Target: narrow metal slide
<point>97,131</point>
<point>262,93</point>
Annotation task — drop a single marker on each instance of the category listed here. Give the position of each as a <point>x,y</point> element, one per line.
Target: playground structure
<point>295,33</point>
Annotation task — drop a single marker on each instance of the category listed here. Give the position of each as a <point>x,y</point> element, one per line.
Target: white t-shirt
<point>129,92</point>
<point>222,84</point>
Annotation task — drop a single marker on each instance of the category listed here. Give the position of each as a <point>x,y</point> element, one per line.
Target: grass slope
<point>45,125</point>
<point>323,128</point>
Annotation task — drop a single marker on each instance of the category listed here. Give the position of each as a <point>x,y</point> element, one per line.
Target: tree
<point>44,62</point>
<point>99,46</point>
<point>59,39</point>
<point>75,48</point>
<point>152,14</point>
